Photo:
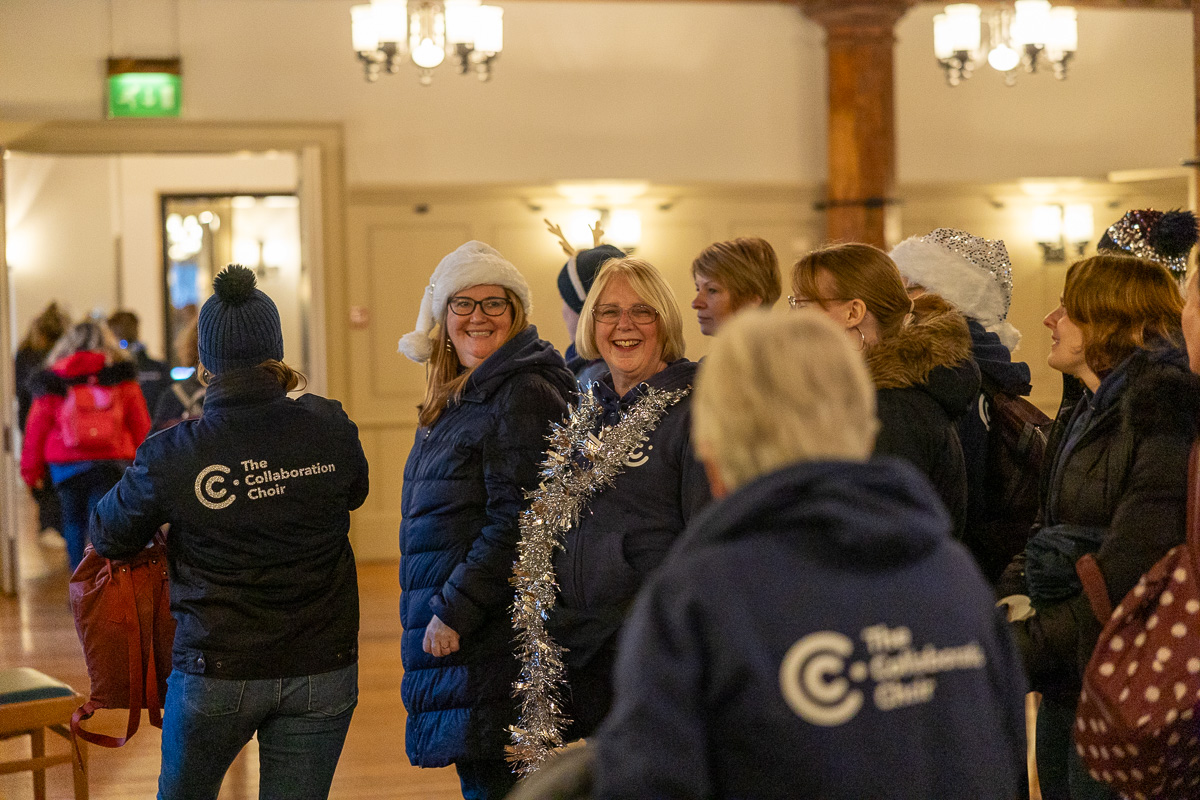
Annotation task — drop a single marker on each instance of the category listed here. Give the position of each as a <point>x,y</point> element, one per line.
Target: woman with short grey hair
<point>816,632</point>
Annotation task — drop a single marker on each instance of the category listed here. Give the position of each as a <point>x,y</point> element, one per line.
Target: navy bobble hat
<point>576,277</point>
<point>239,325</point>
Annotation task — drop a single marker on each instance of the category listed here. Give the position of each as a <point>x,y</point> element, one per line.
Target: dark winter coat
<point>756,660</point>
<point>26,364</point>
<point>258,492</point>
<point>925,380</point>
<point>625,531</point>
<point>1119,464</point>
<point>993,535</point>
<point>43,443</point>
<point>464,487</point>
<point>181,400</point>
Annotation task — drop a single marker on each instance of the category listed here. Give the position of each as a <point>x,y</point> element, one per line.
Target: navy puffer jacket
<point>464,487</point>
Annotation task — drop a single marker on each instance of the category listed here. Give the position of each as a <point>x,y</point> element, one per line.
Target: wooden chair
<point>31,703</point>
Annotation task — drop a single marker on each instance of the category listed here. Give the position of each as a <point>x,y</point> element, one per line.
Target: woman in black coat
<point>494,389</point>
<point>1115,484</point>
<point>264,590</point>
<point>918,352</point>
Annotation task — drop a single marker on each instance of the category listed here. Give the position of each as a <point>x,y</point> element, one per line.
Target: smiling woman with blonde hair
<point>633,429</point>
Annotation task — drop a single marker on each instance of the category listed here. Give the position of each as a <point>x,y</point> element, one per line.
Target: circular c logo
<point>813,680</point>
<point>210,489</point>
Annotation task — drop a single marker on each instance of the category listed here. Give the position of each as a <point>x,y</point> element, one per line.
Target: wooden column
<point>860,41</point>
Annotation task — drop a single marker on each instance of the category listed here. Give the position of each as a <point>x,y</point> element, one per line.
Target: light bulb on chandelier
<point>1028,33</point>
<point>385,31</point>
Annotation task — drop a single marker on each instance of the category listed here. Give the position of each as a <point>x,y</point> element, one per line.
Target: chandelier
<point>385,31</point>
<point>1030,33</point>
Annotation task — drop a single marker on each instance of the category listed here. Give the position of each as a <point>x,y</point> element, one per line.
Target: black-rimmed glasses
<point>611,315</point>
<point>465,306</point>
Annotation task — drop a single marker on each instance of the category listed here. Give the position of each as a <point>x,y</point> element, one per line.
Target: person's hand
<point>440,638</point>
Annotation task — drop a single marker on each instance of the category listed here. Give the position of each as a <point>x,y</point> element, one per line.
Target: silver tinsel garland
<point>579,464</point>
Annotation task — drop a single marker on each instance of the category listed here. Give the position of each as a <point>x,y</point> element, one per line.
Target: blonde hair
<point>91,335</point>
<point>446,377</point>
<point>859,272</point>
<point>748,268</point>
<point>1121,304</point>
<point>782,388</point>
<point>648,283</point>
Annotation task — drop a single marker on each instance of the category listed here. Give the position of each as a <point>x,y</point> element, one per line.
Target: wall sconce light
<point>1061,228</point>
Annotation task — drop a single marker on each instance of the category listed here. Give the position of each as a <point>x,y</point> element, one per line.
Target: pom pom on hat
<point>971,273</point>
<point>472,264</point>
<point>239,325</point>
<point>1162,237</point>
<point>235,285</point>
<point>576,277</point>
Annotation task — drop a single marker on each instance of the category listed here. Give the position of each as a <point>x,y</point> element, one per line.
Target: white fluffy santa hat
<point>971,273</point>
<point>472,264</point>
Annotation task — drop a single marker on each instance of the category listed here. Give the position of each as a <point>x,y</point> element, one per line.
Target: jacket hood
<point>936,336</point>
<point>85,362</point>
<point>679,374</point>
<point>1164,394</point>
<point>877,514</point>
<point>995,362</point>
<point>79,367</point>
<point>931,353</point>
<point>522,352</point>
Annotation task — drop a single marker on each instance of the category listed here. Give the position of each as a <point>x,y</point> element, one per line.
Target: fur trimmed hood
<point>935,336</point>
<point>54,381</point>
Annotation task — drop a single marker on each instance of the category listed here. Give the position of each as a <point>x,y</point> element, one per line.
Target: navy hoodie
<point>817,634</point>
<point>626,530</point>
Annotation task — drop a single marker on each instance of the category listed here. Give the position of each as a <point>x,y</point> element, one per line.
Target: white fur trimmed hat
<point>472,264</point>
<point>973,274</point>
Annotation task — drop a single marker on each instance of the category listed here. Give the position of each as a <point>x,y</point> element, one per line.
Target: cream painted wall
<point>63,213</point>
<point>662,91</point>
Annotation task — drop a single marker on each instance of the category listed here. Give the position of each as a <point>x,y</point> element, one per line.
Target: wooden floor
<point>36,630</point>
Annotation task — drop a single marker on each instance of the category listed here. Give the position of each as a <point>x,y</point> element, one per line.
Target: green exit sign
<point>144,88</point>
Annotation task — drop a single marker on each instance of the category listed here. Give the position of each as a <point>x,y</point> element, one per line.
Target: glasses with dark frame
<point>611,315</point>
<point>465,306</point>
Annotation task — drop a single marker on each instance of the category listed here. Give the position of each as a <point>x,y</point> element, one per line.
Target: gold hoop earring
<point>863,339</point>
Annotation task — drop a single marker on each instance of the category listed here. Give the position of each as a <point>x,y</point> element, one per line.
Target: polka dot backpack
<point>1137,727</point>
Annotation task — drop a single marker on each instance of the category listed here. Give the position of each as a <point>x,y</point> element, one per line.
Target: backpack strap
<point>1094,587</point>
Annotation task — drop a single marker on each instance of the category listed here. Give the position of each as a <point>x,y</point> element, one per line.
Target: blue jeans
<point>78,496</point>
<point>301,725</point>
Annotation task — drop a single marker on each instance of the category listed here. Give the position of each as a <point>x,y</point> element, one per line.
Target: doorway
<point>97,258</point>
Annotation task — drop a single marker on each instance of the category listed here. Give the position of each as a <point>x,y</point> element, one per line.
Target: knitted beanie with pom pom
<point>239,325</point>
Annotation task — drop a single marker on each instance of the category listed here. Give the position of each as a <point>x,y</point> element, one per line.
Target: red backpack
<point>91,417</point>
<point>123,617</point>
<point>1138,723</point>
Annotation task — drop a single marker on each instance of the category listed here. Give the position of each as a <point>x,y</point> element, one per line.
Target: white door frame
<point>319,150</point>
